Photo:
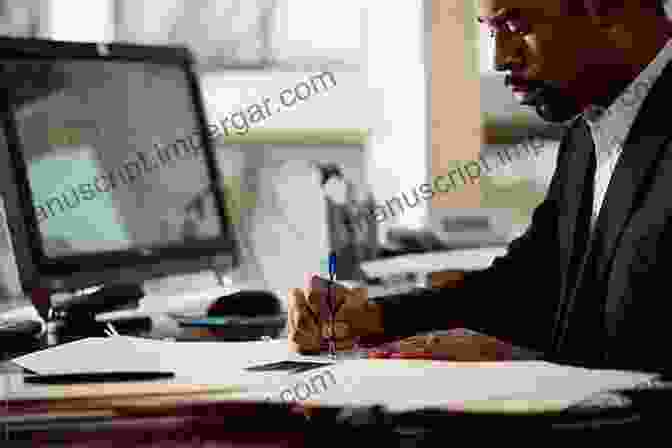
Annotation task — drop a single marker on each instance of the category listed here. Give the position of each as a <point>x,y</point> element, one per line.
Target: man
<point>586,283</point>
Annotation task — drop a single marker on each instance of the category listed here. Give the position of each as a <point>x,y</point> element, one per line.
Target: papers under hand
<point>404,385</point>
<point>200,362</point>
<point>399,385</point>
<point>206,363</point>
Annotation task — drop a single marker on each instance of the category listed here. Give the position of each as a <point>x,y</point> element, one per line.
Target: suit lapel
<point>642,147</point>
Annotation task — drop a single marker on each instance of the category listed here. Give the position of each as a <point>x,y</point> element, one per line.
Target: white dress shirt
<point>610,127</point>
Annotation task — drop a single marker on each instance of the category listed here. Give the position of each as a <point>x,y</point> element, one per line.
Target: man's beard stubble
<point>552,105</point>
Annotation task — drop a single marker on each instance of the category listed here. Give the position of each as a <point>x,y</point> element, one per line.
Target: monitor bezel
<point>75,272</point>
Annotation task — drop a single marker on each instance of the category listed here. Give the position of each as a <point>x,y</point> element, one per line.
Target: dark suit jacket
<point>525,298</point>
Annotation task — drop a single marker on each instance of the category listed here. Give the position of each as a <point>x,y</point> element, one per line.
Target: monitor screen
<point>113,157</point>
<point>114,150</point>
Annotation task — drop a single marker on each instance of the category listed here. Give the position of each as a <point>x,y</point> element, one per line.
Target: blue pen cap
<point>332,263</point>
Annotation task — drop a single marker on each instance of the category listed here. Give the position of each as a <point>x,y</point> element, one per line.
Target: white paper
<point>404,385</point>
<point>397,384</point>
<point>123,353</point>
<point>216,363</point>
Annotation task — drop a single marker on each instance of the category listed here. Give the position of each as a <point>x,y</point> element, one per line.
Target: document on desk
<point>205,363</point>
<point>400,385</point>
<point>519,386</point>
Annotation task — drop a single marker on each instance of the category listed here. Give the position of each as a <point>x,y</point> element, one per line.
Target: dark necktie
<point>582,231</point>
<point>584,317</point>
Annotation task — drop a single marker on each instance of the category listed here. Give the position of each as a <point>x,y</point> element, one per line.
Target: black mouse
<point>249,303</point>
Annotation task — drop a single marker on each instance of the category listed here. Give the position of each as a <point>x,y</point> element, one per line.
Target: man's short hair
<point>657,5</point>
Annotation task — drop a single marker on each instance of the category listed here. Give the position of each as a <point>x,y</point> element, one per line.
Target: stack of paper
<point>403,385</point>
<point>397,384</point>
<point>203,363</point>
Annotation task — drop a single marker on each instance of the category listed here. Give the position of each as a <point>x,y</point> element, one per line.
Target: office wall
<point>455,100</point>
<point>283,211</point>
<point>387,97</point>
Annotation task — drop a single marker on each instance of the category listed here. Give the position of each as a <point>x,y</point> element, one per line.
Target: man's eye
<point>516,26</point>
<point>511,26</point>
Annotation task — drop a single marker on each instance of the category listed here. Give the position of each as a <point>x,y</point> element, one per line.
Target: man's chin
<point>527,97</point>
<point>549,103</point>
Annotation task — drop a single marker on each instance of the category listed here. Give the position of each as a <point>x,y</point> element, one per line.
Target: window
<point>295,34</point>
<point>319,32</point>
<point>76,20</point>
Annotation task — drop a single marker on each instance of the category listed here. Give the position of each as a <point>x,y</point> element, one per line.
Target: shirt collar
<point>615,121</point>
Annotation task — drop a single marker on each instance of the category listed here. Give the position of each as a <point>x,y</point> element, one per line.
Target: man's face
<point>546,48</point>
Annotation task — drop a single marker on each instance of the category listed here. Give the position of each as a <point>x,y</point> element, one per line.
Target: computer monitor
<point>107,145</point>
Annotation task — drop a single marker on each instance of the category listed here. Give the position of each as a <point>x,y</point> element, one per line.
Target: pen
<point>331,304</point>
<point>96,377</point>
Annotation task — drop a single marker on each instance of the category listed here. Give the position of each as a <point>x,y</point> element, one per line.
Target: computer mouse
<point>248,303</point>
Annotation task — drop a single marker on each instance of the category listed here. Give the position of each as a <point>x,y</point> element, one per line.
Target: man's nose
<point>508,53</point>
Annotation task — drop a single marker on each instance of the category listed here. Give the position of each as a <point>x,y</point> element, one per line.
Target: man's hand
<point>308,324</point>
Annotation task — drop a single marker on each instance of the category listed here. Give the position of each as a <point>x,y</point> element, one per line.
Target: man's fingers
<point>302,344</point>
<point>359,296</point>
<point>314,301</point>
<point>299,300</point>
<point>302,328</point>
<point>299,303</point>
<point>320,302</point>
<point>345,344</point>
<point>343,314</point>
<point>300,325</point>
<point>341,330</point>
<point>309,322</point>
<point>303,340</point>
<point>295,297</point>
<point>339,295</point>
<point>352,303</point>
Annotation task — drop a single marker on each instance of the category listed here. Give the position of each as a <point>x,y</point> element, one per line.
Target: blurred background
<point>412,95</point>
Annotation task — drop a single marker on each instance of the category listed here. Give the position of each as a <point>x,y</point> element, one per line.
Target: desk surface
<point>9,370</point>
<point>426,263</point>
